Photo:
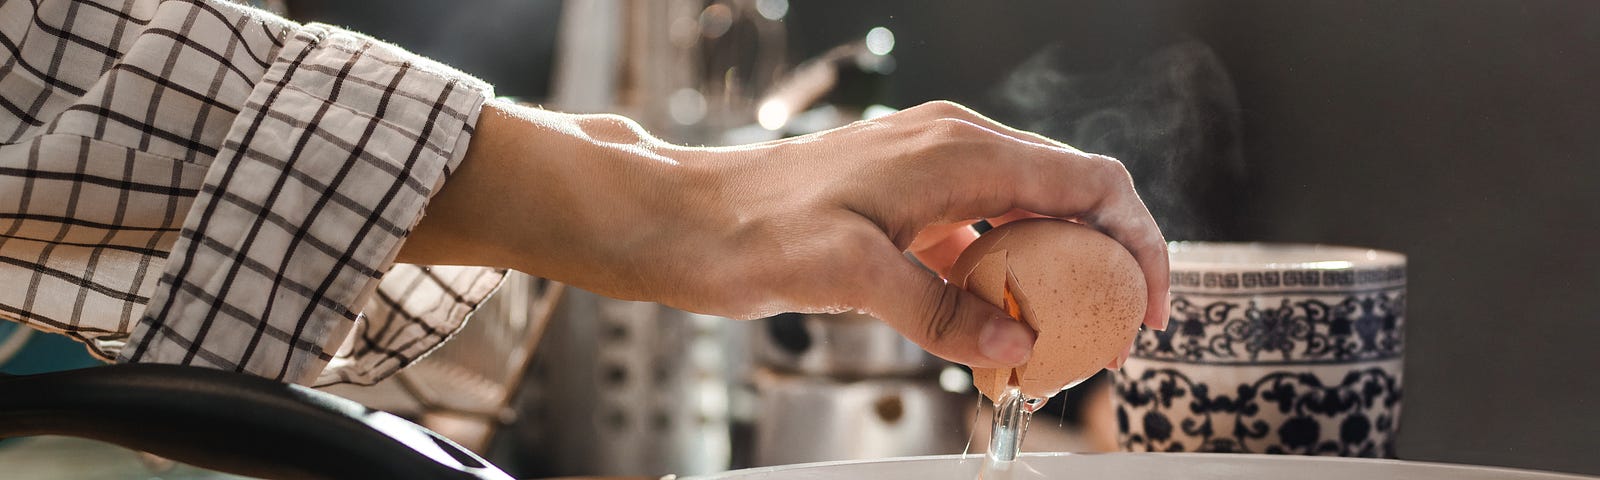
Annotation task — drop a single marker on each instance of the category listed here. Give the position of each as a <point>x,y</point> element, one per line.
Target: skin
<point>816,223</point>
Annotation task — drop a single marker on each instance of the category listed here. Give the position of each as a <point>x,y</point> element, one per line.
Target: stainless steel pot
<point>845,345</point>
<point>628,388</point>
<point>805,418</point>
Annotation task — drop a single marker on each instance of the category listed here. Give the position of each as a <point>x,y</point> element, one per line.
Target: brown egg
<point>1082,291</point>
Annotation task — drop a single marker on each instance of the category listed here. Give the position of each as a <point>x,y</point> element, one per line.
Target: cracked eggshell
<point>1079,289</point>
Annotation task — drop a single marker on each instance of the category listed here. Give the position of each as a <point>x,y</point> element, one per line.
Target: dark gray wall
<point>509,43</point>
<point>1465,134</point>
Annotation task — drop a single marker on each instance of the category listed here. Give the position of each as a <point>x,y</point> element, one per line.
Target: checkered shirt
<point>196,182</point>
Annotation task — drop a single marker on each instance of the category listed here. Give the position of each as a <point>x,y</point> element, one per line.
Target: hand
<point>808,224</point>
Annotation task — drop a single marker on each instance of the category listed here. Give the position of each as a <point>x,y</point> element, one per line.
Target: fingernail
<point>1167,312</point>
<point>1006,341</point>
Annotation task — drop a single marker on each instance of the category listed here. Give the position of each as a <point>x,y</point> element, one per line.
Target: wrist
<point>578,198</point>
<point>571,192</point>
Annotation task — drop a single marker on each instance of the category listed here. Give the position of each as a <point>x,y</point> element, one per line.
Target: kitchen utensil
<point>231,422</point>
<point>804,418</point>
<point>847,345</point>
<point>628,388</point>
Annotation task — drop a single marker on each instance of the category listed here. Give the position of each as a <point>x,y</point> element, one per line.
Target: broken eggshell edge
<point>1080,290</point>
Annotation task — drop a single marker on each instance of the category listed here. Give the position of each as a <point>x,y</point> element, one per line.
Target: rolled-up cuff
<point>321,177</point>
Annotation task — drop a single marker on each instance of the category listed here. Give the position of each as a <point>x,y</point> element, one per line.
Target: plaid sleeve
<point>319,179</point>
<point>190,181</point>
<point>415,310</point>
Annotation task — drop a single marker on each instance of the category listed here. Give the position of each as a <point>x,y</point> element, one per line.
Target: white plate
<point>1141,466</point>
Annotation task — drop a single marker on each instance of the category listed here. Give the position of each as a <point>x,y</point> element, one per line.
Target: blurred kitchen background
<point>1461,133</point>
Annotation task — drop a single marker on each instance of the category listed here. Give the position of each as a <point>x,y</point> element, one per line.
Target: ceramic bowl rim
<point>1193,256</point>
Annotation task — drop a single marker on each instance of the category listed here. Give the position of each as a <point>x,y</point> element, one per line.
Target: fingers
<point>1052,178</point>
<point>1098,192</point>
<point>946,321</point>
<point>938,246</point>
<point>1134,229</point>
<point>1153,260</point>
<point>947,109</point>
<point>1012,216</point>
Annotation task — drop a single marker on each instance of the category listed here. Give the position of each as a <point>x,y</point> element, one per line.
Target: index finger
<point>938,246</point>
<point>1118,212</point>
<point>1055,179</point>
<point>1137,231</point>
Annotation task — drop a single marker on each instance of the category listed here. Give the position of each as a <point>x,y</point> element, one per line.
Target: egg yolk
<point>1012,309</point>
<point>1015,311</point>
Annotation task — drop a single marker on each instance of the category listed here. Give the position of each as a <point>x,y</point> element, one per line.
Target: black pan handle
<point>231,422</point>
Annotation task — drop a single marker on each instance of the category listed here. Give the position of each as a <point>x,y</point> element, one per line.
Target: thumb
<point>945,320</point>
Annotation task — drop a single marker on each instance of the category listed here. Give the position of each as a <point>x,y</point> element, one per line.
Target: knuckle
<point>611,120</point>
<point>945,129</point>
<point>612,127</point>
<point>939,308</point>
<point>949,145</point>
<point>1113,171</point>
<point>944,109</point>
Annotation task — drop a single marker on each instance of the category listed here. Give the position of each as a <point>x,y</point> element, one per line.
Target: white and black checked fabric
<point>195,182</point>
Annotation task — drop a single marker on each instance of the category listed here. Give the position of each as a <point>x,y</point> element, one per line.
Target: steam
<point>1172,117</point>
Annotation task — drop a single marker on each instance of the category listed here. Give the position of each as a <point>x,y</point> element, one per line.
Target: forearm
<point>539,190</point>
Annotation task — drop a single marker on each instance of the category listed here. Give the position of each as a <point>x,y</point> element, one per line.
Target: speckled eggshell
<point>1082,291</point>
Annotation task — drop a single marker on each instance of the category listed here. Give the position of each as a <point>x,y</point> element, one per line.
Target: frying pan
<point>231,422</point>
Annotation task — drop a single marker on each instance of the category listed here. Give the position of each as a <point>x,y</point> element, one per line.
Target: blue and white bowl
<point>1271,348</point>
